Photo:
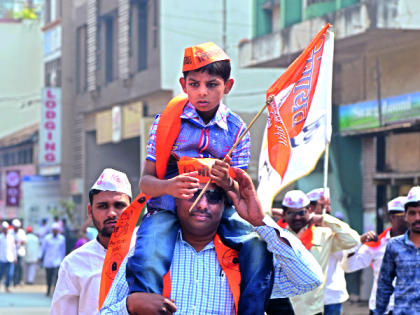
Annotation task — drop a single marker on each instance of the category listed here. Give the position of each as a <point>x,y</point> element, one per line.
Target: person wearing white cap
<point>79,279</point>
<point>20,241</point>
<point>401,262</point>
<point>52,253</point>
<point>8,257</point>
<point>322,235</point>
<point>372,253</point>
<point>318,201</point>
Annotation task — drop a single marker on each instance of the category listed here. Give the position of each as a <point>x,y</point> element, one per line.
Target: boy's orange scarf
<point>168,130</point>
<point>228,259</point>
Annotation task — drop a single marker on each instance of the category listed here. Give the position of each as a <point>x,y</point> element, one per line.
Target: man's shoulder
<point>81,253</point>
<point>396,241</point>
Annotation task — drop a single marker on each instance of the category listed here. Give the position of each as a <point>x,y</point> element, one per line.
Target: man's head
<point>55,227</point>
<point>296,209</point>
<point>108,198</point>
<point>412,210</point>
<point>56,218</point>
<point>397,214</point>
<point>29,229</point>
<point>318,201</point>
<point>206,77</point>
<point>4,227</point>
<point>16,224</point>
<point>43,222</point>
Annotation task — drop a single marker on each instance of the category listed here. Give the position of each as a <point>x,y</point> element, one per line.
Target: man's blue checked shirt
<point>199,286</point>
<point>401,260</point>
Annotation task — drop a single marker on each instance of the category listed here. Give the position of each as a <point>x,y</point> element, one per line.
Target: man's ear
<point>183,84</point>
<point>228,86</point>
<point>89,209</point>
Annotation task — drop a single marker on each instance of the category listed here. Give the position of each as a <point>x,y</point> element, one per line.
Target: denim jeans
<point>8,269</point>
<point>155,245</point>
<point>332,309</point>
<point>17,276</point>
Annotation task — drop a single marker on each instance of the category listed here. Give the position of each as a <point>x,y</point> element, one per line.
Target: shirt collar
<point>181,240</point>
<point>219,119</point>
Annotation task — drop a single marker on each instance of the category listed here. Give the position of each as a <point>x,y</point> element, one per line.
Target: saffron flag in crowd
<point>299,122</point>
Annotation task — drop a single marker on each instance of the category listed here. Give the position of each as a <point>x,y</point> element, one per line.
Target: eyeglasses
<point>214,196</point>
<point>294,214</point>
<point>399,214</point>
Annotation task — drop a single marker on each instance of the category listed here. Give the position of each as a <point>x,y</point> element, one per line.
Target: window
<point>142,36</point>
<point>48,11</point>
<point>53,73</point>
<point>81,59</point>
<point>52,10</point>
<point>109,50</point>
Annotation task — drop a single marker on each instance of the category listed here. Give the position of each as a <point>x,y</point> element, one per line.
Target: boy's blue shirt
<point>198,140</point>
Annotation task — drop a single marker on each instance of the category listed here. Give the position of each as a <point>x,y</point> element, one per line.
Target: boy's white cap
<point>5,225</point>
<point>413,195</point>
<point>55,226</point>
<point>397,204</point>
<point>16,223</point>
<point>295,199</point>
<point>315,194</point>
<point>112,180</point>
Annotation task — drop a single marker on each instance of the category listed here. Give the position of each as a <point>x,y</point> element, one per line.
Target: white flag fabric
<point>308,146</point>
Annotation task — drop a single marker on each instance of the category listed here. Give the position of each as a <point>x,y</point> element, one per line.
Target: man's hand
<point>316,220</point>
<point>220,174</point>
<point>323,203</point>
<point>248,205</point>
<point>182,186</point>
<point>369,237</point>
<point>149,304</point>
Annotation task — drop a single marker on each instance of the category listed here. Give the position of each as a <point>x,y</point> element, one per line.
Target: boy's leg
<point>153,253</point>
<point>255,261</point>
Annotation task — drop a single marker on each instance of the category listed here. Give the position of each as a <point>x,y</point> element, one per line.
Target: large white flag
<point>309,144</point>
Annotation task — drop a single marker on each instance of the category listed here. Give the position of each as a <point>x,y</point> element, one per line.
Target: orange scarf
<point>168,130</point>
<point>228,259</point>
<point>307,237</point>
<point>380,237</point>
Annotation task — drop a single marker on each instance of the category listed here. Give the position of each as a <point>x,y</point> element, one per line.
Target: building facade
<point>375,143</point>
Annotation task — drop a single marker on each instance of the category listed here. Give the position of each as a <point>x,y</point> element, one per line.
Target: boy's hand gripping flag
<point>294,92</point>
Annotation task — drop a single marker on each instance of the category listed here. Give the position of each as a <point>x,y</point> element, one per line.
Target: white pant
<point>30,270</point>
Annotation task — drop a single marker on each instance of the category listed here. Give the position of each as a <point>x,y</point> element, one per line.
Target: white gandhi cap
<point>397,204</point>
<point>315,194</point>
<point>413,195</point>
<point>295,199</point>
<point>113,180</point>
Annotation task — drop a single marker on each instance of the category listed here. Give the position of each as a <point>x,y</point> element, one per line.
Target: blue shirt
<point>198,140</point>
<point>199,286</point>
<point>401,260</point>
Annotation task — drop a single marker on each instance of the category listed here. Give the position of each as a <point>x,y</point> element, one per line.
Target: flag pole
<point>268,102</point>
<point>326,159</point>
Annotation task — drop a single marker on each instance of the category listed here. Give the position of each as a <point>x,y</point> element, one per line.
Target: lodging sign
<point>50,128</point>
<point>365,115</point>
<point>12,188</point>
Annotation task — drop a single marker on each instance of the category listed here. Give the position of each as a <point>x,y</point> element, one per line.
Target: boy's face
<point>205,91</point>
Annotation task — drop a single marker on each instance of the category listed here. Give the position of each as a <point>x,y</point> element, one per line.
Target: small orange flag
<point>293,92</point>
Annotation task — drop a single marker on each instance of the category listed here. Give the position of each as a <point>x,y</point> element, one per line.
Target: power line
<point>205,20</point>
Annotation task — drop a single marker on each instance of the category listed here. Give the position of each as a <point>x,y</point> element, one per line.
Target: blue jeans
<point>8,268</point>
<point>332,309</point>
<point>155,245</point>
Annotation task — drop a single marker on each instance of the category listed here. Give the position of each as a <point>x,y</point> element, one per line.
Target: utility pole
<point>378,80</point>
<point>224,25</point>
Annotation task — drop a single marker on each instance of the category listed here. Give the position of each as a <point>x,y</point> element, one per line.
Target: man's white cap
<point>55,226</point>
<point>16,223</point>
<point>315,194</point>
<point>112,180</point>
<point>295,199</point>
<point>5,225</point>
<point>397,204</point>
<point>413,195</point>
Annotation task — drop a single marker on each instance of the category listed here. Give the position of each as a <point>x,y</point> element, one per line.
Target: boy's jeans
<point>155,245</point>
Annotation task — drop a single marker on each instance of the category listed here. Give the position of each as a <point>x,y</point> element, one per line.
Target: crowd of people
<point>219,253</point>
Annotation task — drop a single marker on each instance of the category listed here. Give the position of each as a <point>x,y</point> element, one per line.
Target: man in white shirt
<point>43,230</point>
<point>79,279</point>
<point>31,257</point>
<point>53,252</point>
<point>20,241</point>
<point>8,257</point>
<point>372,253</point>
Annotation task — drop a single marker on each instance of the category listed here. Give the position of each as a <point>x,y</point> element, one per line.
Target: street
<point>29,300</point>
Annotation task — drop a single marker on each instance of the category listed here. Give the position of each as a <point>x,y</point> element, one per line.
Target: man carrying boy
<point>204,277</point>
<point>206,128</point>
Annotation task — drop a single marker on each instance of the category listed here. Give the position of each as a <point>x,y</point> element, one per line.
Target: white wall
<point>21,75</point>
<point>187,23</point>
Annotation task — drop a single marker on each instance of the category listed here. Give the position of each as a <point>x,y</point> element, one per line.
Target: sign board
<point>365,115</point>
<point>12,188</point>
<point>41,199</point>
<point>50,128</point>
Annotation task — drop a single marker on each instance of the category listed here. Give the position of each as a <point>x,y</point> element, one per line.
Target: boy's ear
<point>183,84</point>
<point>228,86</point>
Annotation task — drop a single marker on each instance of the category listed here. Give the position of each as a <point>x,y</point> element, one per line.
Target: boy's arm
<point>183,186</point>
<point>220,175</point>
